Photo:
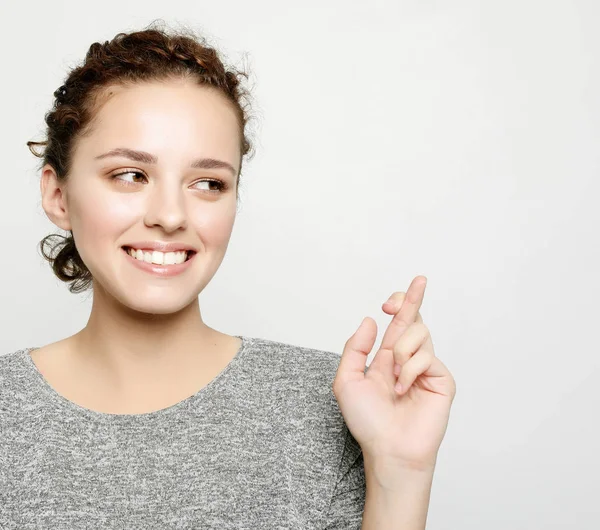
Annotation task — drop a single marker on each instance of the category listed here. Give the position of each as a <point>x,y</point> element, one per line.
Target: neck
<point>127,345</point>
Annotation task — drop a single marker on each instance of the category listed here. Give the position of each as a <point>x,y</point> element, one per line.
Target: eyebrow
<point>147,158</point>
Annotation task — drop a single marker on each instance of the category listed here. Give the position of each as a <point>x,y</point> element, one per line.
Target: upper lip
<point>161,246</point>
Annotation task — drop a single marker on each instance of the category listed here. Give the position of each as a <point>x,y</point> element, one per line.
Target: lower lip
<point>165,271</point>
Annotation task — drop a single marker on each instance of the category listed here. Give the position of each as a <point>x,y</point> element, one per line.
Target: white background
<point>458,140</point>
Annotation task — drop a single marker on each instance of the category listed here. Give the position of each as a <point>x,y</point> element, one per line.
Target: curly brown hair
<point>152,54</point>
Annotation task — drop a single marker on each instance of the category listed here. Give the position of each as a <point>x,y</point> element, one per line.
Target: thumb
<point>353,360</point>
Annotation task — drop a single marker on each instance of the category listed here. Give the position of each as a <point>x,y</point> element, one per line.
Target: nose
<point>166,208</point>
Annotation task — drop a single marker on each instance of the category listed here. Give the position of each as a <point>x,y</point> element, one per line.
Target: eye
<point>114,177</point>
<point>220,185</point>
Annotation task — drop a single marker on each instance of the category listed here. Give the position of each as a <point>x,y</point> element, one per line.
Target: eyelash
<point>222,186</point>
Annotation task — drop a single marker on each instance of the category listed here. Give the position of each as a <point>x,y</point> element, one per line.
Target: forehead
<point>165,115</point>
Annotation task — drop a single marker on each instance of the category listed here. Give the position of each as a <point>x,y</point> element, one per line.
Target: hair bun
<point>61,94</point>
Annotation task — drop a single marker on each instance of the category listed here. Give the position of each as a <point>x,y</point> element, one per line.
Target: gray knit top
<point>262,446</point>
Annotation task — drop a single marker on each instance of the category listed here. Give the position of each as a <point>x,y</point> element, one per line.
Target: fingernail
<point>396,369</point>
<point>398,388</point>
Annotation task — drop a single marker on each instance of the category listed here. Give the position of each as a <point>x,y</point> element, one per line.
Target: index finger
<point>407,314</point>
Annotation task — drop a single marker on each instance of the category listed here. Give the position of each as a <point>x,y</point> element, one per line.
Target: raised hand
<point>403,427</point>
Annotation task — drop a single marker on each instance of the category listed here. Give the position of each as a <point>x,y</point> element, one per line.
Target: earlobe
<point>53,198</point>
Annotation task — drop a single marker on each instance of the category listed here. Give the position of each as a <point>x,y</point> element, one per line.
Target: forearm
<point>401,505</point>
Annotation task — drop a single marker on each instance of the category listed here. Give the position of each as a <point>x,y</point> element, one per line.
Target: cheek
<point>213,226</point>
<point>99,220</point>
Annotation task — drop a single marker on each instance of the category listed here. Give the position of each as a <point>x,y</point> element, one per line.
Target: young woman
<point>148,417</point>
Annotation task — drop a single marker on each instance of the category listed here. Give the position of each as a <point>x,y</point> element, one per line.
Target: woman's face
<point>176,122</point>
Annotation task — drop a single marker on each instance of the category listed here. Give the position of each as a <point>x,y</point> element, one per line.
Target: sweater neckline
<point>66,405</point>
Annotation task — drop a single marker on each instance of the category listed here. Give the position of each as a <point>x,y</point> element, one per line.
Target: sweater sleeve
<point>348,499</point>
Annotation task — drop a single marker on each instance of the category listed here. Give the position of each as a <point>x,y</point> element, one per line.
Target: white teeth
<point>159,258</point>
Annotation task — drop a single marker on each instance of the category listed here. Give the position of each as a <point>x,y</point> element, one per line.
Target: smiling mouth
<point>189,254</point>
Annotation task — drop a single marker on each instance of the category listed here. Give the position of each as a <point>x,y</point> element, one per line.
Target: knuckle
<point>398,296</point>
<point>419,329</point>
<point>402,354</point>
<point>400,324</point>
<point>407,375</point>
<point>428,358</point>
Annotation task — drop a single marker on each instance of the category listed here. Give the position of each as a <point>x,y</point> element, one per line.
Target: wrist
<point>393,475</point>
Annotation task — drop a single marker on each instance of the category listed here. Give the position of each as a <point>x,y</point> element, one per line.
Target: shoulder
<point>298,378</point>
<point>326,454</point>
<point>315,365</point>
<point>14,378</point>
<point>11,363</point>
<point>299,353</point>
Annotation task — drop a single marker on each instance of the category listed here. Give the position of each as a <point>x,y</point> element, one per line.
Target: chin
<point>162,303</point>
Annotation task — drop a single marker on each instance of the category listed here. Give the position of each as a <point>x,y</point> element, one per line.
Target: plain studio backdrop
<point>459,140</point>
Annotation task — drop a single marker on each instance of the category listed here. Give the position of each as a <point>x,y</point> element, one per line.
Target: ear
<point>54,198</point>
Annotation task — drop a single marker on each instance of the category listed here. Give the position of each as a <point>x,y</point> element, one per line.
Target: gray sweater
<point>262,446</point>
